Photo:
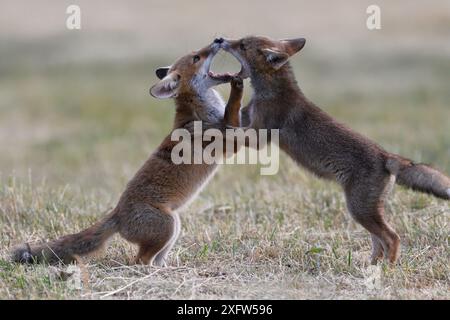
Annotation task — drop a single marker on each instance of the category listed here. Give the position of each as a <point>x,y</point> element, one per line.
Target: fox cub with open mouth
<point>324,146</point>
<point>147,211</point>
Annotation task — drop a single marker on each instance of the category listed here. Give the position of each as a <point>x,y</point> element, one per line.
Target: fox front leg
<point>232,117</point>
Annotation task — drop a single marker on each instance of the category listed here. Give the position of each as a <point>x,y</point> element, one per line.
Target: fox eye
<point>196,58</point>
<point>242,46</point>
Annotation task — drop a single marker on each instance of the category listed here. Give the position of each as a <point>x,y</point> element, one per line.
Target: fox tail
<point>419,177</point>
<point>67,248</point>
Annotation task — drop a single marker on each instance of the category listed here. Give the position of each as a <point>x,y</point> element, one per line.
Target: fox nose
<point>218,40</point>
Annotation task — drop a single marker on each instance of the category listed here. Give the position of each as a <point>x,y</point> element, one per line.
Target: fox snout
<point>223,43</point>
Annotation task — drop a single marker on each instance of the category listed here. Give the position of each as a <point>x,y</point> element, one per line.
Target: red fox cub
<point>147,211</point>
<point>324,146</point>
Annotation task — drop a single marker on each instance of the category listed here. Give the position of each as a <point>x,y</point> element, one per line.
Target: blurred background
<point>77,121</point>
<point>75,108</point>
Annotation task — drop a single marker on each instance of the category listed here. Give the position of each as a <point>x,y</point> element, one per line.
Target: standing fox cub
<point>325,146</point>
<point>147,212</point>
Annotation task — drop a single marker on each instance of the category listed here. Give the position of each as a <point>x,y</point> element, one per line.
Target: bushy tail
<point>419,177</point>
<point>67,248</point>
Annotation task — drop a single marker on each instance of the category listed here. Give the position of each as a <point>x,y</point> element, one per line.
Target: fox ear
<point>167,87</point>
<point>276,58</point>
<point>162,72</point>
<point>294,45</point>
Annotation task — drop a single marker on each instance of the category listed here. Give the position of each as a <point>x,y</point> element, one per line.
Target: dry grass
<point>76,122</point>
<point>254,241</point>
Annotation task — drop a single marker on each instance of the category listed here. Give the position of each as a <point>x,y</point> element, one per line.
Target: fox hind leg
<point>161,257</point>
<point>365,201</point>
<point>149,227</point>
<point>377,250</point>
<point>387,241</point>
<point>151,248</point>
<point>147,252</point>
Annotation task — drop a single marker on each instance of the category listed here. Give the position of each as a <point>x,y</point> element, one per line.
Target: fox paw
<point>237,82</point>
<point>22,254</point>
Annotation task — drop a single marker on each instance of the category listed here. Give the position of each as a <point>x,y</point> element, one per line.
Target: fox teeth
<point>220,75</point>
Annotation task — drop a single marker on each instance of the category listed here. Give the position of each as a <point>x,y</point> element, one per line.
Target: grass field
<point>75,126</point>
